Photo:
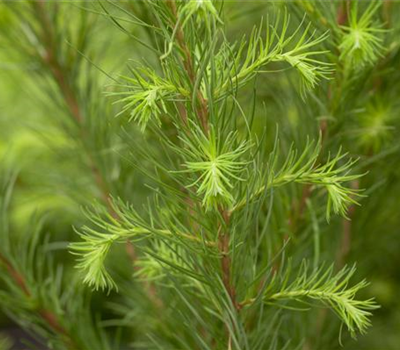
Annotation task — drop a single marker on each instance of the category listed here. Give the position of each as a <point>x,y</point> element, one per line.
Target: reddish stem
<point>47,315</point>
<point>223,246</point>
<point>202,109</point>
<point>345,244</point>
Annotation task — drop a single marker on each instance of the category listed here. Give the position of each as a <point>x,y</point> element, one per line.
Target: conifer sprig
<point>202,9</point>
<point>326,287</point>
<point>97,241</point>
<point>146,97</point>
<point>150,269</point>
<point>277,46</point>
<point>217,163</point>
<point>305,169</point>
<point>362,43</point>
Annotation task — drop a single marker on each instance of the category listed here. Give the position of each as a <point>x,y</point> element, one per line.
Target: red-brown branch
<point>202,109</point>
<point>50,59</point>
<point>202,113</point>
<point>48,316</point>
<point>60,75</point>
<point>16,276</point>
<point>343,11</point>
<point>345,243</point>
<point>223,246</point>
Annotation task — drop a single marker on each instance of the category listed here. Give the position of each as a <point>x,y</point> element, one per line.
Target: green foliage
<point>34,292</point>
<point>218,165</point>
<point>277,46</point>
<point>209,197</point>
<point>146,97</point>
<point>375,125</point>
<point>361,44</point>
<point>202,9</point>
<point>331,289</point>
<point>305,169</point>
<point>95,246</point>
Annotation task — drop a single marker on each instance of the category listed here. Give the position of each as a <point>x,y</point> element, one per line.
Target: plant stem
<point>202,114</point>
<point>345,244</point>
<point>61,76</point>
<point>47,315</point>
<point>223,245</point>
<point>343,12</point>
<point>15,275</point>
<point>341,19</point>
<point>50,58</point>
<point>202,110</point>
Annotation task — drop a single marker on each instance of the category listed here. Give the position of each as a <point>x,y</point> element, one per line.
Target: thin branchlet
<point>326,287</point>
<point>238,64</point>
<point>304,169</point>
